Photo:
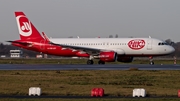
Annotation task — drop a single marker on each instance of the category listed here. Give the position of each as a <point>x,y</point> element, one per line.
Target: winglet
<point>45,36</point>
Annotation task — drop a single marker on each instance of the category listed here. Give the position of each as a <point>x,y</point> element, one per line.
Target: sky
<point>94,18</point>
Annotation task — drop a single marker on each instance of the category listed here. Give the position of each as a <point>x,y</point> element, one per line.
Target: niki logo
<point>24,25</point>
<point>136,44</point>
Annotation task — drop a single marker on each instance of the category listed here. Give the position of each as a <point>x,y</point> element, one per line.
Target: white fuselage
<point>123,46</point>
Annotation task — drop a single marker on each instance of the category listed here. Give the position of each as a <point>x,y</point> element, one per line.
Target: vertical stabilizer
<point>26,29</point>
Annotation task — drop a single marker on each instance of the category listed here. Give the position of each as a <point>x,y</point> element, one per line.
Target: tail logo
<point>24,25</point>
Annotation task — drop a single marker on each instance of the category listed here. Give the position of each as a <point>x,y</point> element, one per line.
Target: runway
<point>87,67</point>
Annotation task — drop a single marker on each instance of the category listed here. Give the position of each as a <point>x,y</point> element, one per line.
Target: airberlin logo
<point>24,25</point>
<point>136,44</point>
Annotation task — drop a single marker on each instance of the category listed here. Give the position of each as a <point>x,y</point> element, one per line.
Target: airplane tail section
<point>45,36</point>
<point>26,29</point>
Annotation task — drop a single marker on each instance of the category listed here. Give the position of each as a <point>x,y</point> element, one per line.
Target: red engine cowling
<point>82,54</point>
<point>125,59</point>
<point>108,56</point>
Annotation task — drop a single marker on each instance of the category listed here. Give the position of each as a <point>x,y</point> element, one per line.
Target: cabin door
<point>149,44</point>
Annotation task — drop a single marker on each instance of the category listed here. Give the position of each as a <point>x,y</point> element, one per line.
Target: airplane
<point>104,49</point>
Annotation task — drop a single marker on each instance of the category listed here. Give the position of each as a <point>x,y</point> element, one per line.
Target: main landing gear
<point>91,62</point>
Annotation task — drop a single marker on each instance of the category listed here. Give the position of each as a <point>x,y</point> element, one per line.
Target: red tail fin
<point>26,29</point>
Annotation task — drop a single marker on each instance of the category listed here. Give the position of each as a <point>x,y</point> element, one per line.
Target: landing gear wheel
<point>151,63</point>
<point>101,62</point>
<point>90,62</point>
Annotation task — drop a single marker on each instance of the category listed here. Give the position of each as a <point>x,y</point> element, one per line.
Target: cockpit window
<point>162,43</point>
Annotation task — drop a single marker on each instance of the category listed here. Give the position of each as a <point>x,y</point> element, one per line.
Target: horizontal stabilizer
<point>22,43</point>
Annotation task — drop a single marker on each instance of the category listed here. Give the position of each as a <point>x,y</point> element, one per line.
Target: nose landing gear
<point>151,62</point>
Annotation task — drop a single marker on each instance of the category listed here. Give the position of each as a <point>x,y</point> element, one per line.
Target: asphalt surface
<point>87,67</point>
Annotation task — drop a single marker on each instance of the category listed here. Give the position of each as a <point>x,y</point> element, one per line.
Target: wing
<point>84,49</point>
<point>92,51</point>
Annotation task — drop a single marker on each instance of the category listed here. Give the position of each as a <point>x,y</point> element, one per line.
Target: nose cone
<point>171,49</point>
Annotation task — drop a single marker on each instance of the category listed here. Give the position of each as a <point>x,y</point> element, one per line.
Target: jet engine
<point>108,56</point>
<point>82,54</point>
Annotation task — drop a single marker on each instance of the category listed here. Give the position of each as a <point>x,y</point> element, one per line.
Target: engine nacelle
<point>82,54</point>
<point>108,56</point>
<point>125,59</point>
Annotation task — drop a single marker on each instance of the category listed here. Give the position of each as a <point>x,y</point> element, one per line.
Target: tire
<point>90,62</point>
<point>151,63</point>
